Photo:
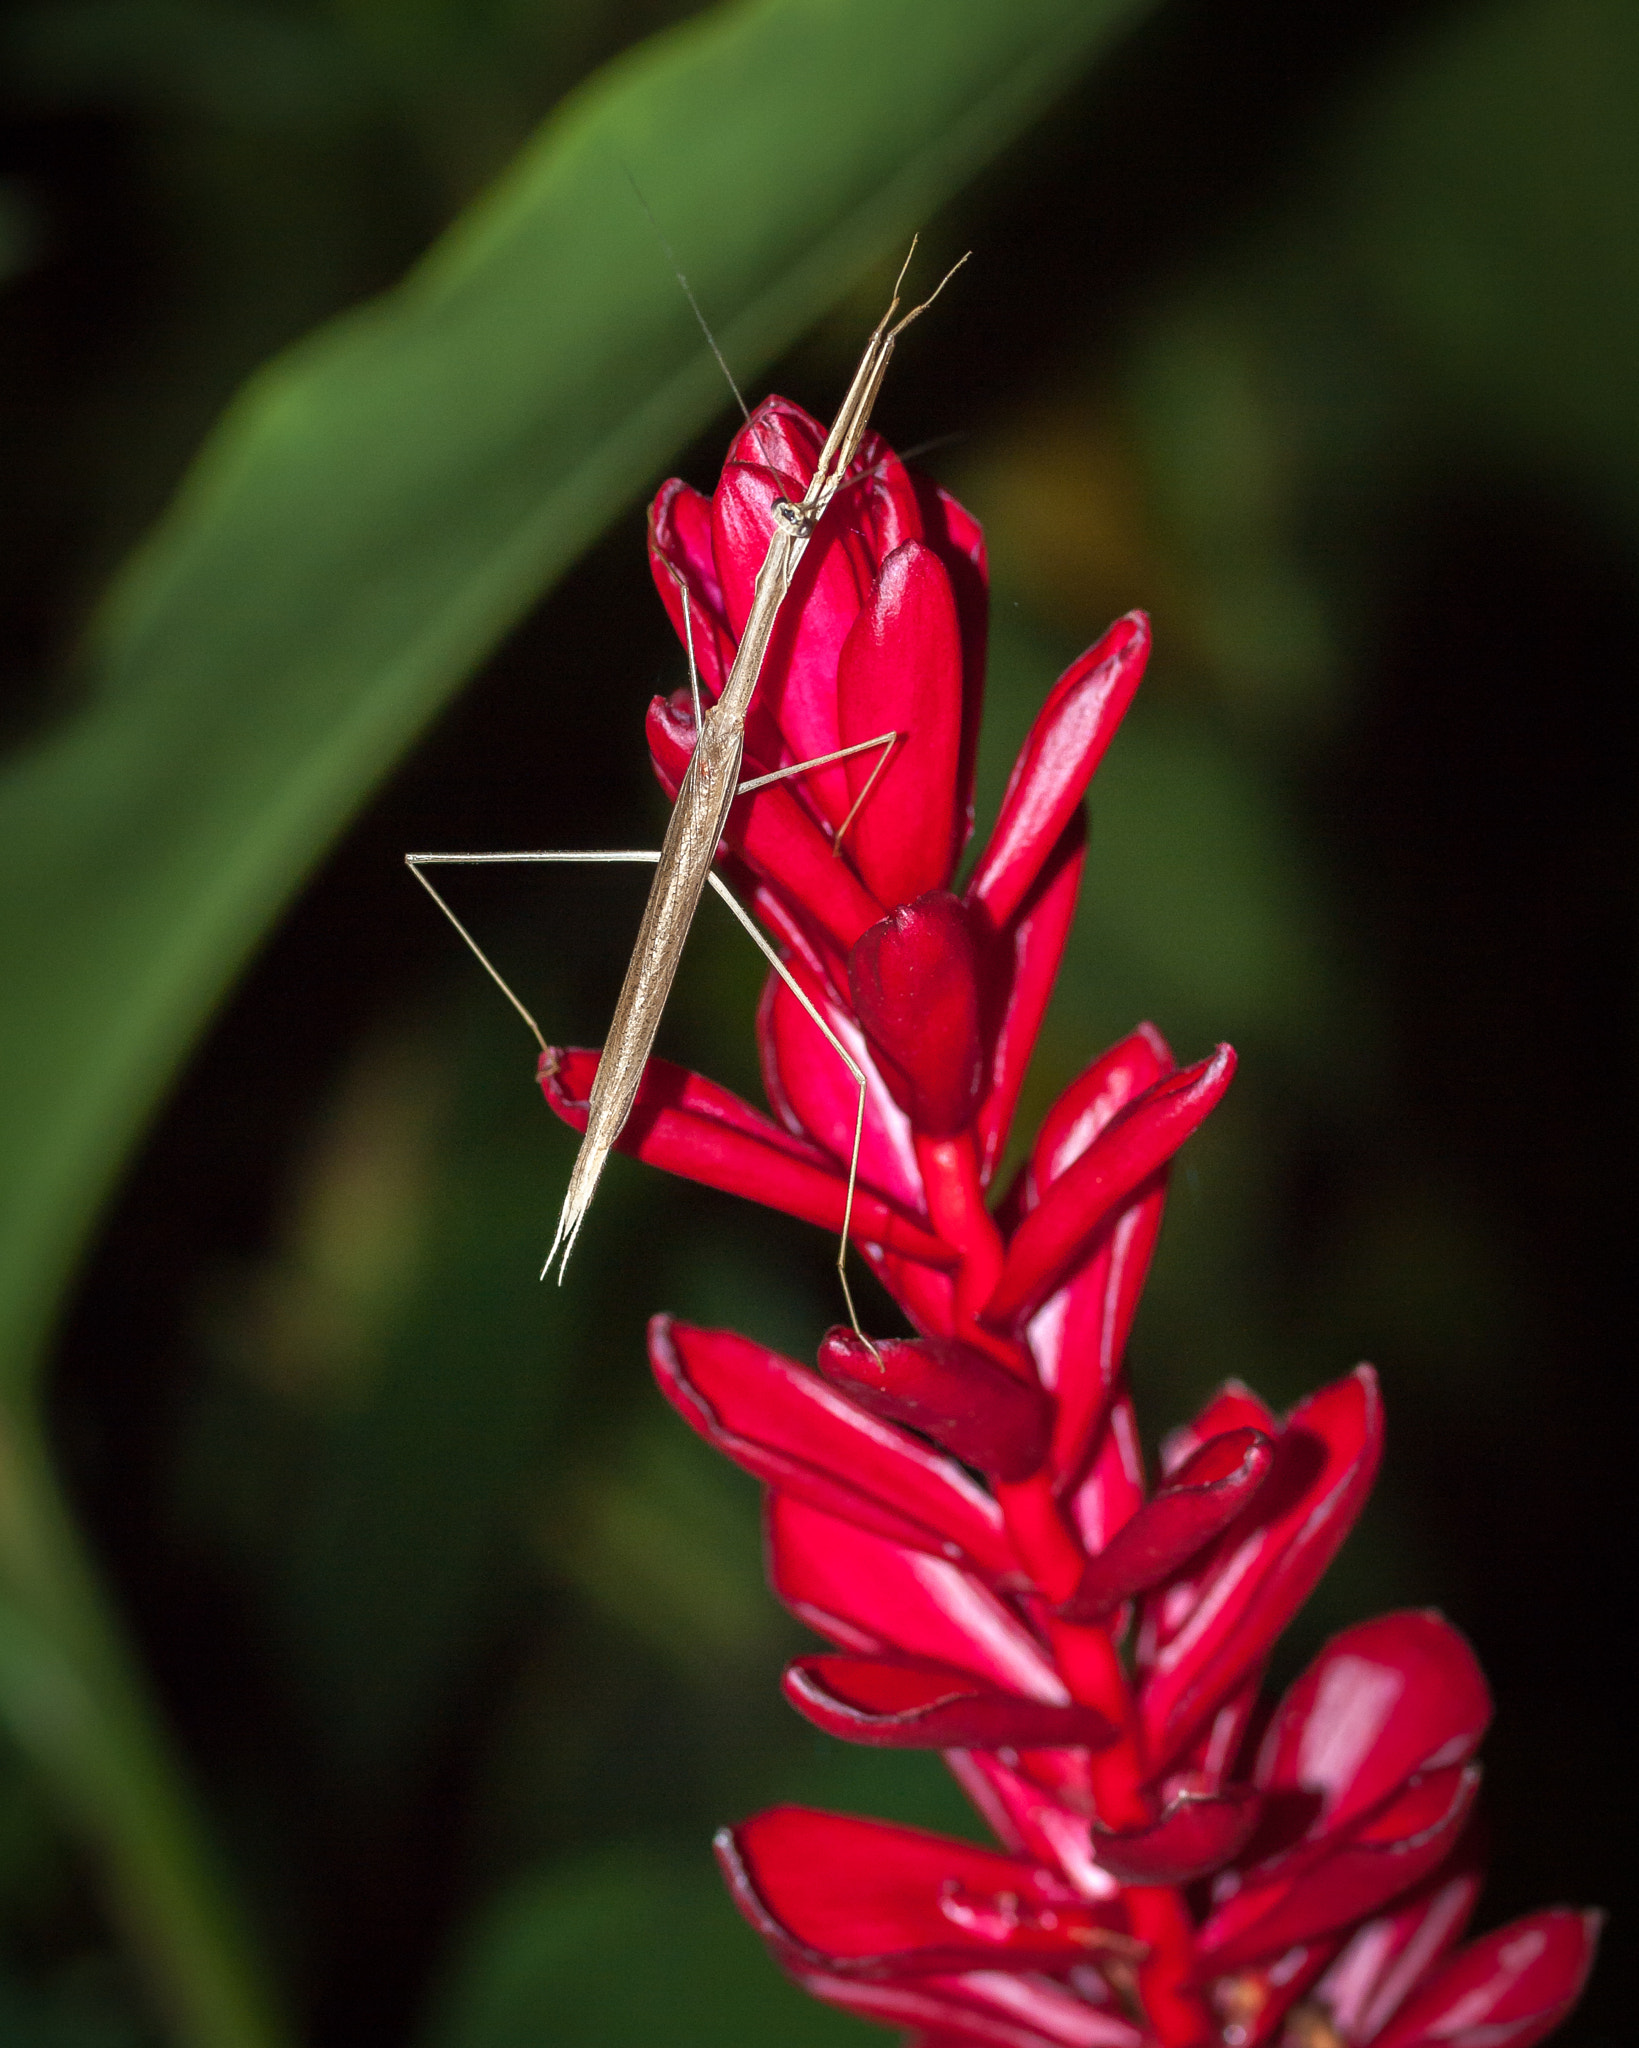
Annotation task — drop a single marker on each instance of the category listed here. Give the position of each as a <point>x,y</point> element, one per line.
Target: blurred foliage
<point>1313,332</point>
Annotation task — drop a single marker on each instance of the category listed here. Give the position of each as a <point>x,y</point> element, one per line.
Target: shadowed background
<point>1319,338</point>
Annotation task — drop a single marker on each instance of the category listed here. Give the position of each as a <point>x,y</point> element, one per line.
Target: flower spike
<point>962,1513</point>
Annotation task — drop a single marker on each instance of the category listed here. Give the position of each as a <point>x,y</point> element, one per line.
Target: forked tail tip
<point>569,1222</point>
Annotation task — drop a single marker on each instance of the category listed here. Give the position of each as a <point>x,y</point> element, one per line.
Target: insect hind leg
<point>847,1060</point>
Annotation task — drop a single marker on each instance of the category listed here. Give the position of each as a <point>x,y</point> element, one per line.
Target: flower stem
<point>956,1205</point>
<point>1042,1543</point>
<point>77,1708</point>
<point>1174,2007</point>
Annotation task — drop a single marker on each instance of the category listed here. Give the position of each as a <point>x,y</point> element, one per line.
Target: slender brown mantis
<point>711,783</point>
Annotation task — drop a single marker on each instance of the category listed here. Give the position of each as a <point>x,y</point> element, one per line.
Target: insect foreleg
<point>416,862</point>
<point>885,740</point>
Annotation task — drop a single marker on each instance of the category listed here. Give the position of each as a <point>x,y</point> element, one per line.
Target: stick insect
<point>711,783</point>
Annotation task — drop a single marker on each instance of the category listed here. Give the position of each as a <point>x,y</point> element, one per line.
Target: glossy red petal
<point>979,2009</point>
<point>742,524</point>
<point>1385,1699</point>
<point>918,1706</point>
<point>692,1127</point>
<point>1088,2016</point>
<point>816,1097</point>
<point>959,541</point>
<point>964,1400</point>
<point>1506,1990</point>
<point>1386,1959</point>
<point>861,1898</point>
<point>781,435</point>
<point>1113,1490</point>
<point>831,586</point>
<point>881,498</point>
<point>1079,1334</point>
<point>1205,1632</point>
<point>1194,1507</point>
<point>782,1423</point>
<point>876,1597</point>
<point>1234,1406</point>
<point>928,1298</point>
<point>1197,1833</point>
<point>1050,777</point>
<point>1134,1146</point>
<point>1310,1892</point>
<point>680,559</point>
<point>900,671</point>
<point>1092,1102</point>
<point>1085,1326</point>
<point>1211,1758</point>
<point>1033,1819</point>
<point>668,726</point>
<point>914,979</point>
<point>1020,966</point>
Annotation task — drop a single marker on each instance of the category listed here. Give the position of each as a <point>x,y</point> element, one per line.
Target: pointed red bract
<point>873,1596</point>
<point>1066,744</point>
<point>1086,1109</point>
<point>684,572</point>
<point>958,540</point>
<point>1505,1991</point>
<point>1197,1833</point>
<point>1111,1491</point>
<point>797,686</point>
<point>773,831</point>
<point>1017,971</point>
<point>1387,1957</point>
<point>961,1398</point>
<point>900,671</point>
<point>1205,1631</point>
<point>896,1705</point>
<point>785,1425</point>
<point>979,2009</point>
<point>865,1899</point>
<point>1196,1505</point>
<point>1059,1231</point>
<point>1335,1880</point>
<point>1383,1700</point>
<point>914,979</point>
<point>816,1097</point>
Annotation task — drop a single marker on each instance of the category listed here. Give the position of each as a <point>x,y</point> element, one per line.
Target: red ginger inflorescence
<point>963,1514</point>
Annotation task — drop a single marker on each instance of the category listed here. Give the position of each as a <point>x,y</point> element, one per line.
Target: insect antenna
<point>688,293</point>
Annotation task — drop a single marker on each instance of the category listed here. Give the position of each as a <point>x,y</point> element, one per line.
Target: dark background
<point>1314,331</point>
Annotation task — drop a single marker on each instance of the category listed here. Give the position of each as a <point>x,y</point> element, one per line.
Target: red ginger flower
<point>1086,1652</point>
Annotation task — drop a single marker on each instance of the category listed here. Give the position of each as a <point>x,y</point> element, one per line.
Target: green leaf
<point>34,2019</point>
<point>383,502</point>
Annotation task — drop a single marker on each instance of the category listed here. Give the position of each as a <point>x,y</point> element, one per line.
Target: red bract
<point>963,1514</point>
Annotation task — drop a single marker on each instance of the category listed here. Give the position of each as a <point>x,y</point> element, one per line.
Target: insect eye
<point>793,518</point>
